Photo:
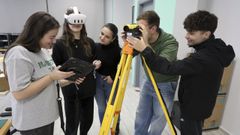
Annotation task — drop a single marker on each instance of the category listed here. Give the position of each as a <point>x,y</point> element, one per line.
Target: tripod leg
<point>160,99</point>
<point>108,112</point>
<point>120,93</point>
<point>117,76</point>
<point>115,103</point>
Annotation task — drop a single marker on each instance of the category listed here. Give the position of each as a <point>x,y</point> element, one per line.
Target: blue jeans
<point>103,91</point>
<point>150,119</point>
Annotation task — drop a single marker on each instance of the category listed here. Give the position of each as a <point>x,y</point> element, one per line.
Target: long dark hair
<point>36,26</point>
<point>114,30</point>
<point>68,37</point>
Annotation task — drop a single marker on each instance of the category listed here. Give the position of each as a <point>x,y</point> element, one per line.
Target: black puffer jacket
<point>201,75</point>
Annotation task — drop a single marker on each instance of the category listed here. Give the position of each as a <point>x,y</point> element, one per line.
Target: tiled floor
<point>127,116</point>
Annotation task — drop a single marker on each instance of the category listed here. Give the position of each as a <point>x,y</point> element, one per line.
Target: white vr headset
<point>75,17</point>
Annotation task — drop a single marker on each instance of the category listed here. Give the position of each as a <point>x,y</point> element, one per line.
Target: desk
<point>5,102</point>
<point>6,127</point>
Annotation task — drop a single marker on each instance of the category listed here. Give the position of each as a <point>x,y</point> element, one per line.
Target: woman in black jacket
<point>79,99</point>
<point>201,72</point>
<point>108,52</point>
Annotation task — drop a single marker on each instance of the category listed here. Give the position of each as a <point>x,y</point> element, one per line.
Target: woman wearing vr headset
<point>79,99</point>
<point>32,76</point>
<point>108,47</point>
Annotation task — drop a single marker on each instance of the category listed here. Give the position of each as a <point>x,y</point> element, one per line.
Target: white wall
<point>14,13</point>
<point>93,9</point>
<point>118,12</point>
<point>183,8</point>
<point>229,19</point>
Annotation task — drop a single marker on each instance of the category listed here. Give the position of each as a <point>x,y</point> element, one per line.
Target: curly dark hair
<point>201,20</point>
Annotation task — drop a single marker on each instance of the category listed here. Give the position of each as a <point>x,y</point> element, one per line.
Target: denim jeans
<point>150,119</point>
<point>103,91</point>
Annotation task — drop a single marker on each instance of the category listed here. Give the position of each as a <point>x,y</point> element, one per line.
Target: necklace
<point>76,46</point>
<point>76,43</point>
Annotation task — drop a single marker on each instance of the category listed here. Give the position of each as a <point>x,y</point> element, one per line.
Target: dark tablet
<point>80,67</point>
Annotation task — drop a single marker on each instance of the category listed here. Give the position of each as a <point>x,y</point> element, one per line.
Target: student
<point>108,52</point>
<point>79,99</point>
<point>201,72</point>
<point>32,76</point>
<point>150,119</point>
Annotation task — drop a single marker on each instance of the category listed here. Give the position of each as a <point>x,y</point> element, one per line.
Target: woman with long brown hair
<point>79,99</point>
<point>32,76</point>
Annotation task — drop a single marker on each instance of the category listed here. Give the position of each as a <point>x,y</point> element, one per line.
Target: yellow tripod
<point>115,100</point>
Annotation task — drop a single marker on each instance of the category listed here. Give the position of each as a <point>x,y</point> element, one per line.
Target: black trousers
<point>78,111</point>
<point>191,127</point>
<point>45,130</point>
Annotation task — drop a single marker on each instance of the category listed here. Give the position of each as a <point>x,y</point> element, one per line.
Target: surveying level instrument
<point>115,100</point>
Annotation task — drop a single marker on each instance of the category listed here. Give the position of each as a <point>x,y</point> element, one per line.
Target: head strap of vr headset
<point>75,10</point>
